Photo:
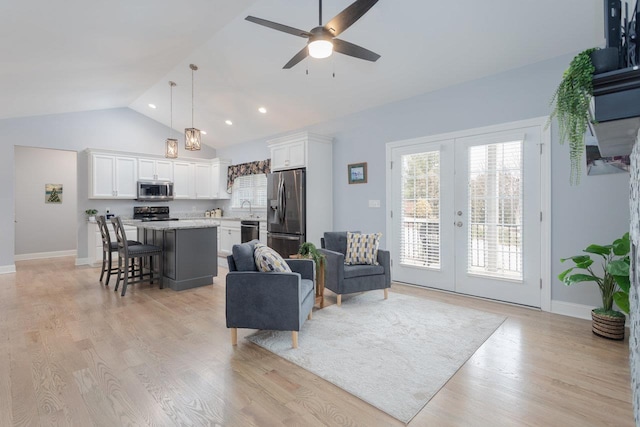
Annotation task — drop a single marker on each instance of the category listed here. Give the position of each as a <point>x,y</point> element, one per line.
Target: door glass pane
<point>495,210</point>
<point>420,216</point>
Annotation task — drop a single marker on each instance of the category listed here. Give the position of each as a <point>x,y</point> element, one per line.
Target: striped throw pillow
<point>269,260</point>
<point>362,248</point>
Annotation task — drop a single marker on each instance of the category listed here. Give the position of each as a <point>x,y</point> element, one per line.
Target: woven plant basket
<point>607,326</point>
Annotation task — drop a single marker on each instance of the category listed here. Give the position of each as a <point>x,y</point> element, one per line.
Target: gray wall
<point>40,226</point>
<point>595,211</point>
<point>119,129</point>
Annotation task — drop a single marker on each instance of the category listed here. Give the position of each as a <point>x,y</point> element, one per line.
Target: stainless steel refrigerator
<point>286,213</point>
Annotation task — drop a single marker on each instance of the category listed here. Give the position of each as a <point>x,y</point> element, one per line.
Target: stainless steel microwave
<point>155,190</point>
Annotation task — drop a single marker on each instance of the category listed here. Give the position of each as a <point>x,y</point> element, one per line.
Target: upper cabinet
<point>288,155</point>
<point>203,181</point>
<point>155,170</point>
<point>219,169</point>
<point>112,176</point>
<point>184,180</point>
<point>115,175</point>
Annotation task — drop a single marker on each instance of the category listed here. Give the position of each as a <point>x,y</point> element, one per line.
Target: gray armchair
<point>347,279</point>
<point>273,301</point>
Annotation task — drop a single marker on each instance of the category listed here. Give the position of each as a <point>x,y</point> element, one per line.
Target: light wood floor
<point>76,353</point>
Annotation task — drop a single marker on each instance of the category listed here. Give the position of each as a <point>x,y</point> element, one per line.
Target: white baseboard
<point>7,269</point>
<point>41,255</point>
<point>580,311</point>
<point>222,262</point>
<point>83,261</point>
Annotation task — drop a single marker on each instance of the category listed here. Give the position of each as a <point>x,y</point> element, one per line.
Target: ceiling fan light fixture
<point>320,48</point>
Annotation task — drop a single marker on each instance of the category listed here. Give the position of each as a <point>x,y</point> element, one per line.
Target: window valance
<point>250,168</point>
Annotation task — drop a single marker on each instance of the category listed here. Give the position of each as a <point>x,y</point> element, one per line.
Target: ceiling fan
<point>322,40</point>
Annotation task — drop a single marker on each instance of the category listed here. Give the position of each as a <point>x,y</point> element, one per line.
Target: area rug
<point>394,354</point>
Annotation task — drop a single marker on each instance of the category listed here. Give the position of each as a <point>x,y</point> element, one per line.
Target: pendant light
<point>192,135</point>
<point>171,150</point>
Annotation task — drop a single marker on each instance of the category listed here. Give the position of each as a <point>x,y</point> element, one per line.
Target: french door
<point>466,214</point>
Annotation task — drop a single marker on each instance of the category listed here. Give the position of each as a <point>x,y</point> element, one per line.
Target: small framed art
<point>53,193</point>
<point>357,173</point>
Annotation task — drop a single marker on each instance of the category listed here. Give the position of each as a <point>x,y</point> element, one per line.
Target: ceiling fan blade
<point>354,50</point>
<point>297,58</point>
<point>279,27</point>
<point>347,17</point>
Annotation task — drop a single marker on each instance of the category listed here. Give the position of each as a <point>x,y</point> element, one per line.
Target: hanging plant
<point>572,99</point>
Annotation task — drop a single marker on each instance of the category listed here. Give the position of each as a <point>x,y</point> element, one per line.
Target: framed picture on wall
<point>53,193</point>
<point>357,173</point>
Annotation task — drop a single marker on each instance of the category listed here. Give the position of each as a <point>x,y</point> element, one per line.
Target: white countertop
<point>241,218</point>
<point>174,225</point>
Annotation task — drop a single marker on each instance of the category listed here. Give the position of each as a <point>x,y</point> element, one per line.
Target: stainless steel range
<point>152,213</point>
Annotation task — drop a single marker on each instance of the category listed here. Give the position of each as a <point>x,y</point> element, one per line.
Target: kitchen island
<point>190,250</point>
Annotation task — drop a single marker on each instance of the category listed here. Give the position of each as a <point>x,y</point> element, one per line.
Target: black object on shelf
<point>617,94</point>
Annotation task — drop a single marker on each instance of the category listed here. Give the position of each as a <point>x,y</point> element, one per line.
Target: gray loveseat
<point>272,301</point>
<point>347,279</point>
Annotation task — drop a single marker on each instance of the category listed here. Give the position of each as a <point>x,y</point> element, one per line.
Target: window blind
<point>420,222</point>
<point>495,210</point>
<point>252,188</point>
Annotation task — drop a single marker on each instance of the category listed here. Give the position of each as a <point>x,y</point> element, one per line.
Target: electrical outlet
<point>374,203</point>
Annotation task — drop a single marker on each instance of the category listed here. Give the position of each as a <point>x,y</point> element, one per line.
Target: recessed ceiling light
<point>229,122</point>
<point>203,132</point>
<point>262,110</point>
<point>152,106</point>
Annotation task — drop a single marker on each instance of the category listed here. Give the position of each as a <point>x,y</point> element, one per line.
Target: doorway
<point>467,212</point>
<point>46,200</point>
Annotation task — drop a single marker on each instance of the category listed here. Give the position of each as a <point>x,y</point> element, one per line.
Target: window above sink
<point>251,188</point>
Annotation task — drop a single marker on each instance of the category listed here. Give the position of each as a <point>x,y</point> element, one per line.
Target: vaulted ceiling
<point>78,55</point>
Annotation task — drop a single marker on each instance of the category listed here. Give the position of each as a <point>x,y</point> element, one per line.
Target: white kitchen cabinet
<point>184,180</point>
<point>112,176</point>
<point>203,181</point>
<point>155,170</point>
<point>288,155</point>
<point>229,232</point>
<point>94,241</point>
<point>219,169</point>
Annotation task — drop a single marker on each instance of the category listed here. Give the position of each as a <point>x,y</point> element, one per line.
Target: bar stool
<point>128,252</point>
<point>108,247</point>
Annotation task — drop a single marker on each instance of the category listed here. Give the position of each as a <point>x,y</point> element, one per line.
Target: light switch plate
<point>374,203</point>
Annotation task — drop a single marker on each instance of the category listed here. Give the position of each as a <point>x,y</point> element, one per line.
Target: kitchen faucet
<point>250,211</point>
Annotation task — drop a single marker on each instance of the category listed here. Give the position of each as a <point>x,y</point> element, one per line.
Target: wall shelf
<point>617,110</point>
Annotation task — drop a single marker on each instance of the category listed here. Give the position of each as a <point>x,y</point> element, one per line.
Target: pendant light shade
<point>171,148</point>
<point>192,136</point>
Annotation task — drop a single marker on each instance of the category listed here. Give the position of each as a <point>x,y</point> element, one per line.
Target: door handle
<point>285,237</point>
<point>459,224</point>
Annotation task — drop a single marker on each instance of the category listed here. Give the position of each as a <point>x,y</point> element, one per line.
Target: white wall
<point>119,129</point>
<point>45,227</point>
<point>595,211</point>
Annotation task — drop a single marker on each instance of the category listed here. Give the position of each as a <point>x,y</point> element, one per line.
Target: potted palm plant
<point>613,283</point>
